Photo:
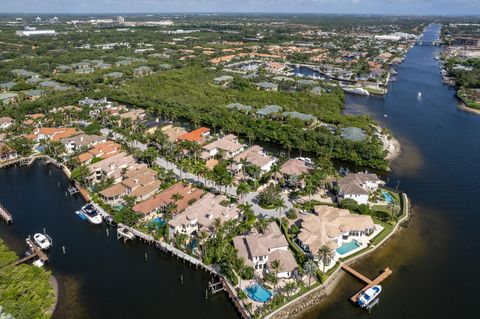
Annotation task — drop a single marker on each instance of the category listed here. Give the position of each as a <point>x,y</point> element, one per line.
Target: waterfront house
<point>7,153</point>
<point>139,182</point>
<point>112,167</point>
<point>201,214</point>
<point>354,134</point>
<point>101,150</point>
<point>6,122</point>
<point>134,115</point>
<point>52,133</point>
<point>259,250</point>
<point>33,95</point>
<point>358,187</point>
<point>268,111</point>
<point>256,156</point>
<point>199,136</point>
<point>77,142</point>
<point>332,227</point>
<point>187,195</point>
<point>228,146</point>
<point>8,98</point>
<point>293,169</point>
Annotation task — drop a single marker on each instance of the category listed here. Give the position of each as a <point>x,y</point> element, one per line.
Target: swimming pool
<point>348,247</point>
<point>258,293</point>
<point>157,221</point>
<point>387,197</point>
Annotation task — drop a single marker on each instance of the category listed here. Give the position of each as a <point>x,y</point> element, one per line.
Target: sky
<point>418,7</point>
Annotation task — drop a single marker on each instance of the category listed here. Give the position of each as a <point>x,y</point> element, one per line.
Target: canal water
<point>435,261</point>
<point>98,276</point>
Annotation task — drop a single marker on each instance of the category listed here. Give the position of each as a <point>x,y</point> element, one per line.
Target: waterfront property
<point>260,249</point>
<point>334,228</point>
<point>201,215</point>
<point>227,147</point>
<point>358,187</point>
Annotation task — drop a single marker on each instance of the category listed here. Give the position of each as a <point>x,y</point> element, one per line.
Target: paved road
<point>250,198</point>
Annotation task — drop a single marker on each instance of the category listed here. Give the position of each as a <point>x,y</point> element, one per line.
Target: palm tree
<point>202,237</point>
<point>242,189</point>
<point>261,224</point>
<point>310,268</point>
<point>216,224</point>
<point>276,267</point>
<point>280,203</point>
<point>325,255</point>
<point>289,287</point>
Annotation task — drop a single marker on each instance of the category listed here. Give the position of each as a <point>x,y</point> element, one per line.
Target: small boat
<point>38,263</point>
<point>43,241</point>
<point>369,295</point>
<point>90,212</point>
<point>419,94</point>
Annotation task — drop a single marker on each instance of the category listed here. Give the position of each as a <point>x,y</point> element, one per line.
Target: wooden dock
<point>5,215</point>
<point>36,252</point>
<point>369,283</point>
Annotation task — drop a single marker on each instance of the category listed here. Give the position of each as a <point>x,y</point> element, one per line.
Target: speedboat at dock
<point>369,295</point>
<point>43,241</point>
<point>91,213</point>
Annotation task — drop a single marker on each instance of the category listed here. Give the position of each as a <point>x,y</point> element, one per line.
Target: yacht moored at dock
<point>369,295</point>
<point>91,213</point>
<point>42,240</point>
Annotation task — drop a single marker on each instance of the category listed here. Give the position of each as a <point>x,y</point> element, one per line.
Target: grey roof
<point>239,107</point>
<point>223,78</point>
<point>250,76</point>
<point>317,90</point>
<point>354,134</point>
<point>8,95</point>
<point>165,66</point>
<point>50,84</point>
<point>307,82</point>
<point>32,93</point>
<point>61,88</point>
<point>23,72</point>
<point>34,80</point>
<point>267,85</point>
<point>7,85</point>
<point>300,116</point>
<point>269,109</point>
<point>114,75</point>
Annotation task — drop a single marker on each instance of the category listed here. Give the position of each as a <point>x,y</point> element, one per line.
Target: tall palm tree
<point>242,189</point>
<point>325,255</point>
<point>276,266</point>
<point>202,237</point>
<point>310,268</point>
<point>261,224</point>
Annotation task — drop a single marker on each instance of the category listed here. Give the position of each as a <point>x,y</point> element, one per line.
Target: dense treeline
<point>188,94</point>
<point>25,291</point>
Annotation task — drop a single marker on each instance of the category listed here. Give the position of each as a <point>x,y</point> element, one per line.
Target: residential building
<point>8,98</point>
<point>201,214</point>
<point>142,71</point>
<point>140,183</point>
<point>199,135</point>
<point>228,146</point>
<point>256,156</point>
<point>112,167</point>
<point>268,111</point>
<point>173,132</point>
<point>239,107</point>
<point>259,250</point>
<point>267,86</point>
<point>28,33</point>
<point>332,227</point>
<point>187,195</point>
<point>6,122</point>
<point>354,134</point>
<point>358,187</point>
<point>100,150</point>
<point>134,115</point>
<point>301,116</point>
<point>6,152</point>
<point>52,133</point>
<point>223,80</point>
<point>80,141</point>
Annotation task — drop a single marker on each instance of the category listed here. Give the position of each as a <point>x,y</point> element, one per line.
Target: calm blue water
<point>258,293</point>
<point>347,247</point>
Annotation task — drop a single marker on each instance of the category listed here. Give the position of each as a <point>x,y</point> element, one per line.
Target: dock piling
<point>63,249</point>
<point>146,257</point>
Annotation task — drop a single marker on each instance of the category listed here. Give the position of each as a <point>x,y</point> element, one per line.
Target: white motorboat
<point>43,241</point>
<point>38,263</point>
<point>369,295</point>
<point>90,212</point>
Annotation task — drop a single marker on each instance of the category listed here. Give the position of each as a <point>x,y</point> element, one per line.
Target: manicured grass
<point>387,229</point>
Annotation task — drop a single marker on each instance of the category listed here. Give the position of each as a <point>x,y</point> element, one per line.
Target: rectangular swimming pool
<point>348,247</point>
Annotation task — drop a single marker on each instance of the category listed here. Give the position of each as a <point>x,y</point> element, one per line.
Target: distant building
<point>142,71</point>
<point>8,98</point>
<point>267,86</point>
<point>475,42</point>
<point>268,110</point>
<point>353,134</point>
<point>28,33</point>
<point>223,80</point>
<point>120,20</point>
<point>239,107</point>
